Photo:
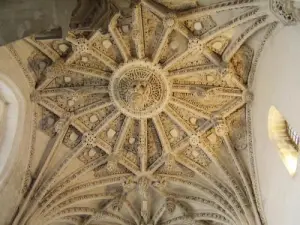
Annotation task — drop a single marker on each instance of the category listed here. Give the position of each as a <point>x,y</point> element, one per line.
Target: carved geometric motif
<point>154,111</point>
<point>207,23</point>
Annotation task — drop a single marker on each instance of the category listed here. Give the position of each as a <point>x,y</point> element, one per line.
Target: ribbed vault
<point>147,123</point>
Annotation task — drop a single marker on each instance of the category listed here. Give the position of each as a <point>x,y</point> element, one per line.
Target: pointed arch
<point>12,116</point>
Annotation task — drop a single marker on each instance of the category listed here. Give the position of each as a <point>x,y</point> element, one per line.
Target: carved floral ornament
<point>154,116</point>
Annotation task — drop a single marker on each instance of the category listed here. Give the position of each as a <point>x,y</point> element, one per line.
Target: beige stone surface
<point>15,164</point>
<point>138,131</point>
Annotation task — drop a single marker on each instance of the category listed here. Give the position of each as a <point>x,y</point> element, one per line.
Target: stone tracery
<point>155,120</point>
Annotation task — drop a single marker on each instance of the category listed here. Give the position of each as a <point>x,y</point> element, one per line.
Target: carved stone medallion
<point>139,89</point>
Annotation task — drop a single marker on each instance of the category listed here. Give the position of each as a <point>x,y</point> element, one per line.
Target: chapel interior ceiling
<point>146,123</point>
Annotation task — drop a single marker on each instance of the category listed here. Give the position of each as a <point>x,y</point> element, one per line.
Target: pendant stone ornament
<point>139,89</point>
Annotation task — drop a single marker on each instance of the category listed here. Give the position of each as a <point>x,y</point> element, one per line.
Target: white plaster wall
<point>11,182</point>
<point>277,82</point>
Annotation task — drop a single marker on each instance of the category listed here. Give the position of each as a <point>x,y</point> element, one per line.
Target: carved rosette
<point>89,139</point>
<point>170,20</point>
<point>139,89</point>
<point>117,204</point>
<point>82,45</point>
<point>194,140</point>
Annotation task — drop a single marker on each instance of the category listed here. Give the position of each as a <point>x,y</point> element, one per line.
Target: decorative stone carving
<point>38,62</point>
<point>89,139</point>
<point>112,164</point>
<point>117,204</point>
<point>82,45</point>
<point>286,11</point>
<point>60,124</point>
<point>248,96</point>
<point>170,21</point>
<point>129,184</point>
<point>195,43</point>
<point>160,184</point>
<point>35,97</point>
<point>221,128</point>
<point>170,205</point>
<point>170,162</point>
<point>55,69</point>
<point>197,155</point>
<point>237,126</point>
<point>139,90</point>
<point>194,140</point>
<point>143,186</point>
<point>227,73</point>
<point>149,102</point>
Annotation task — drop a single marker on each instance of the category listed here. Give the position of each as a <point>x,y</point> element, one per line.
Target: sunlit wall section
<point>276,84</point>
<point>285,138</point>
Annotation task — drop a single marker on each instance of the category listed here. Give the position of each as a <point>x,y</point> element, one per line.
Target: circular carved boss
<point>139,89</point>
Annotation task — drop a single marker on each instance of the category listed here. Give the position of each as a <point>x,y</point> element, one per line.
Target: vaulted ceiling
<point>148,123</point>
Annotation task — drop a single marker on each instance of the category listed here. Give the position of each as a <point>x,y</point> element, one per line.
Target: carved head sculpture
<point>138,94</point>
